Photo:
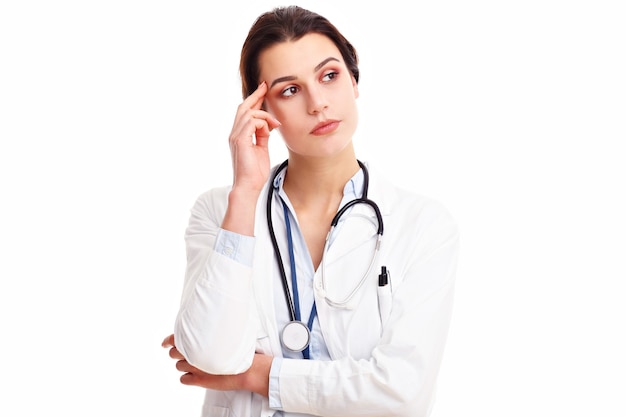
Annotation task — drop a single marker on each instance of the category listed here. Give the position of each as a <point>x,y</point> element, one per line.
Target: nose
<point>317,100</point>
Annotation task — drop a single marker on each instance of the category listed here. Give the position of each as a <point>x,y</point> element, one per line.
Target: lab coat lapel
<point>264,263</point>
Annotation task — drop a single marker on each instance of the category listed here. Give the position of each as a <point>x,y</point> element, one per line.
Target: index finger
<point>256,98</point>
<point>168,341</point>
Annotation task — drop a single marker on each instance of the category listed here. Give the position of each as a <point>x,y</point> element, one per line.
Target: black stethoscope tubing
<point>279,259</point>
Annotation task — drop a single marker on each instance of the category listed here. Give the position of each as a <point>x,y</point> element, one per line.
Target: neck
<point>310,181</point>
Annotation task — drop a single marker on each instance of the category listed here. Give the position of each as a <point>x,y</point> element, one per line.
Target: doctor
<point>279,317</point>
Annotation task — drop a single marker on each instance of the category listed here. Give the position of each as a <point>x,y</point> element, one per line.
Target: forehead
<point>294,57</point>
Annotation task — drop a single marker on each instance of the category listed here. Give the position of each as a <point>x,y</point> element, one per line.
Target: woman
<point>275,320</point>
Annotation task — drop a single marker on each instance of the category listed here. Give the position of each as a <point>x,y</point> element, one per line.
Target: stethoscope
<point>296,335</point>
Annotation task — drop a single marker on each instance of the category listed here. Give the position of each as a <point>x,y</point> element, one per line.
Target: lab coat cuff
<point>274,387</point>
<point>239,248</point>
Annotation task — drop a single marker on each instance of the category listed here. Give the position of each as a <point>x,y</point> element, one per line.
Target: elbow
<point>211,354</point>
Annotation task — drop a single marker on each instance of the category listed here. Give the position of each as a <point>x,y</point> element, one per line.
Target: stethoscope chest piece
<point>296,336</point>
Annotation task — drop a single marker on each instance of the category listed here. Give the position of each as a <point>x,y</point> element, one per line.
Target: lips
<point>325,127</point>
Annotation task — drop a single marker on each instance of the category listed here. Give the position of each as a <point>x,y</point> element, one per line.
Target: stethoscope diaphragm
<point>295,336</point>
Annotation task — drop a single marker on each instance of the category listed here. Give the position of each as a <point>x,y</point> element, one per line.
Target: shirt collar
<point>353,188</point>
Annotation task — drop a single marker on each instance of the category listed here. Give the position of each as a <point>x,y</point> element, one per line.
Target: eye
<point>329,76</point>
<point>289,91</point>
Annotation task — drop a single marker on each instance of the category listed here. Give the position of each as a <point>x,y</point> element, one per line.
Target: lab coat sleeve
<point>214,327</point>
<point>400,376</point>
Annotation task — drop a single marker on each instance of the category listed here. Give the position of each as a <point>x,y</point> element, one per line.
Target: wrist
<point>257,378</point>
<point>245,196</point>
<point>241,212</point>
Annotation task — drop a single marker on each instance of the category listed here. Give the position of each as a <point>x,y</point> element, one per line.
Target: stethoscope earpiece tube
<point>354,202</point>
<point>279,260</point>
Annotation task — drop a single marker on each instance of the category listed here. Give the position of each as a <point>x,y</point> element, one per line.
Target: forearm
<point>364,387</point>
<point>240,214</point>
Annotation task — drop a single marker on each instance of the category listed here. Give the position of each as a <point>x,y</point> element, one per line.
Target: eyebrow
<point>292,77</point>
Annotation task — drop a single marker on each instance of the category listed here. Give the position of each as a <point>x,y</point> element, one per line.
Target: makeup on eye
<point>289,91</point>
<point>327,77</point>
<point>333,74</point>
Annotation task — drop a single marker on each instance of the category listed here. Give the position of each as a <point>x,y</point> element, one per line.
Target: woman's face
<point>312,93</point>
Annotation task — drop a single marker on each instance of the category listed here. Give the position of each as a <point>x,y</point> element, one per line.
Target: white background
<point>114,117</point>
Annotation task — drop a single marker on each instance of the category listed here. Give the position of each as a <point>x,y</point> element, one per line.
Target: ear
<point>355,87</point>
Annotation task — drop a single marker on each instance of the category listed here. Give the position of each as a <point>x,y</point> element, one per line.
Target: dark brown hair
<point>284,24</point>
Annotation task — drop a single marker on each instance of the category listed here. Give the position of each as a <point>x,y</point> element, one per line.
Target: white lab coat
<point>384,362</point>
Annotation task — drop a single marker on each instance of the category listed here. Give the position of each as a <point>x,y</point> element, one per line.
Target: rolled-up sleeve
<point>239,248</point>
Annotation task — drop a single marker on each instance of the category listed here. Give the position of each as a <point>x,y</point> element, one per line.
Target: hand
<point>255,379</point>
<point>248,142</point>
<point>194,376</point>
